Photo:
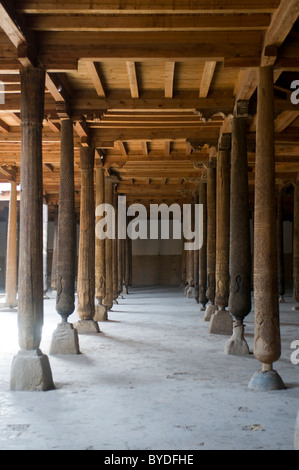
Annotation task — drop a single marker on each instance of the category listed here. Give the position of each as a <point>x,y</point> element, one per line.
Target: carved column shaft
<point>30,368</point>
<point>31,245</point>
<point>267,332</point>
<point>280,251</point>
<point>202,265</point>
<point>222,228</point>
<point>66,235</point>
<point>221,321</point>
<point>240,253</point>
<point>211,241</point>
<point>267,336</point>
<point>100,244</point>
<point>11,253</point>
<point>296,242</point>
<point>240,256</point>
<point>54,256</point>
<point>109,251</point>
<point>196,261</point>
<point>86,262</point>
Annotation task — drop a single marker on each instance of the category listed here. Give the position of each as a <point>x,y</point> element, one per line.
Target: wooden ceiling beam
<point>149,22</point>
<point>14,27</point>
<point>95,75</point>
<point>130,6</point>
<point>207,78</point>
<point>132,76</point>
<point>169,79</point>
<point>282,22</point>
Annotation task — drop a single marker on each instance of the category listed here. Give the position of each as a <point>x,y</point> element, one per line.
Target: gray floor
<point>154,378</point>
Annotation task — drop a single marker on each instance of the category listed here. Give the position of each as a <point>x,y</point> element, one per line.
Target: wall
<point>157,262</point>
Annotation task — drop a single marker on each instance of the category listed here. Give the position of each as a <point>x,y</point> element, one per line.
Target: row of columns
<point>101,271</point>
<point>226,257</point>
<point>227,226</point>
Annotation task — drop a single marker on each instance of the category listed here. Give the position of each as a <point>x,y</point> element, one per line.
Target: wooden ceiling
<point>151,85</point>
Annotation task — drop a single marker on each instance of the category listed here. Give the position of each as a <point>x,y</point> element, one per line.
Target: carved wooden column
<point>296,243</point>
<point>202,265</point>
<point>108,301</point>
<point>211,241</point>
<point>267,332</point>
<point>196,260</point>
<point>45,246</point>
<point>280,251</point>
<point>100,276</point>
<point>115,249</point>
<point>221,321</point>
<point>240,255</point>
<point>190,264</point>
<point>86,262</point>
<point>54,256</point>
<point>65,337</point>
<point>31,368</point>
<point>11,252</point>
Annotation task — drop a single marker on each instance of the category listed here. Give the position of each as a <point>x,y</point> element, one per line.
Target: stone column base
<point>65,340</point>
<point>31,371</point>
<point>100,313</point>
<point>190,293</point>
<point>237,345</point>
<point>221,323</point>
<point>86,326</point>
<point>210,310</point>
<point>266,380</point>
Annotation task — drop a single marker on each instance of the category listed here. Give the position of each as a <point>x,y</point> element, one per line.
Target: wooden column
<point>108,301</point>
<point>202,265</point>
<point>45,247</point>
<point>11,252</point>
<point>221,321</point>
<point>86,262</point>
<point>190,291</point>
<point>65,337</point>
<point>296,243</point>
<point>267,332</point>
<point>240,255</point>
<point>31,368</point>
<point>280,250</point>
<point>115,249</point>
<point>100,276</point>
<point>196,260</point>
<point>54,256</point>
<point>211,241</point>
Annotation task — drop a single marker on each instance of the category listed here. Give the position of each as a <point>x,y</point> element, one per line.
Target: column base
<point>296,436</point>
<point>210,310</point>
<point>100,313</point>
<point>10,305</point>
<point>281,300</point>
<point>237,345</point>
<point>65,340</point>
<point>266,380</point>
<point>31,371</point>
<point>221,323</point>
<point>190,293</point>
<point>86,326</point>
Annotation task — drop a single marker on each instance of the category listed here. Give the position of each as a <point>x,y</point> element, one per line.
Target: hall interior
<point>168,103</point>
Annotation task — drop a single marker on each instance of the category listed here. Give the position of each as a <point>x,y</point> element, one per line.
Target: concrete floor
<point>153,379</point>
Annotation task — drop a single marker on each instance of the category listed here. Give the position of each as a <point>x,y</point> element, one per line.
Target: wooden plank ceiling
<point>150,84</point>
